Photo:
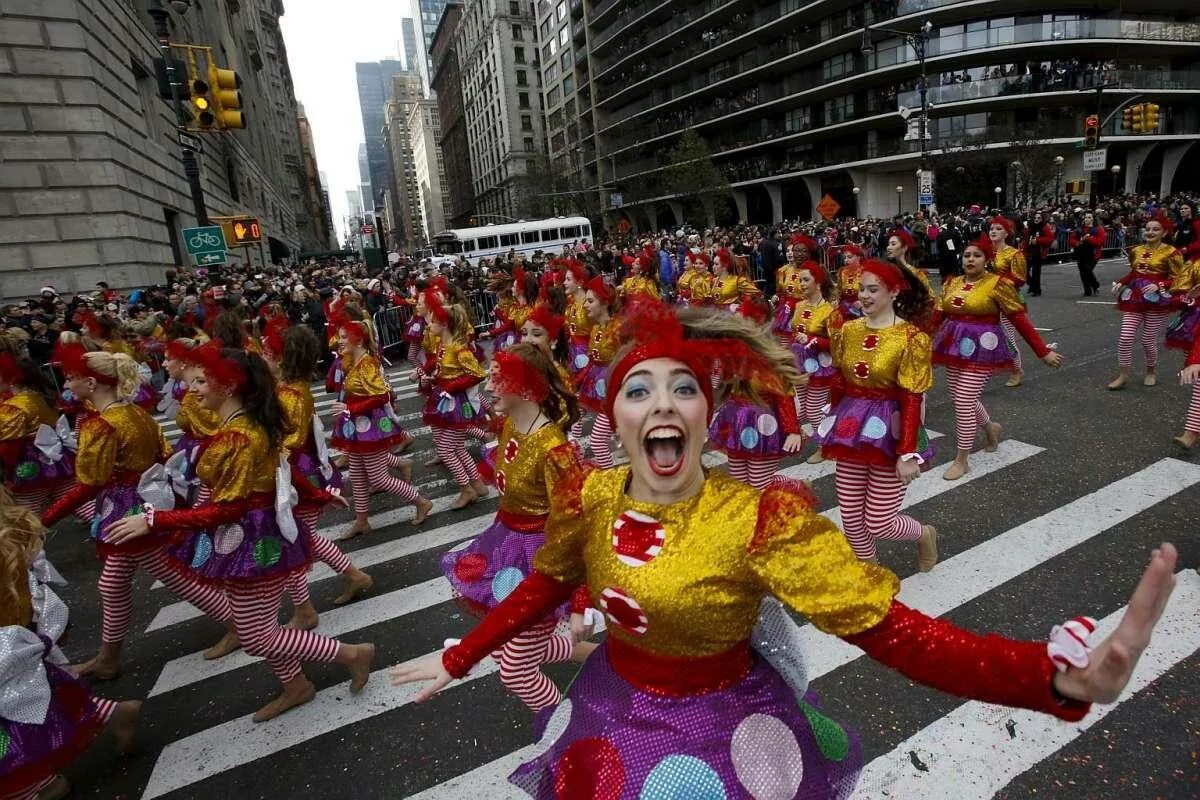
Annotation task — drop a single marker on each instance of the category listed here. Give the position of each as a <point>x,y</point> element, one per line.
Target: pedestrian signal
<point>241,231</point>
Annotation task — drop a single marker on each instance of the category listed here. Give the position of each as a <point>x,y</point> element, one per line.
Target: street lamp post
<point>1019,177</point>
<point>855,191</point>
<point>998,190</point>
<point>191,166</point>
<point>1058,177</point>
<point>899,199</point>
<point>1116,172</point>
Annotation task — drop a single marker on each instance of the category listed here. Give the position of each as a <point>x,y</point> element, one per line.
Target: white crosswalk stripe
<point>968,576</point>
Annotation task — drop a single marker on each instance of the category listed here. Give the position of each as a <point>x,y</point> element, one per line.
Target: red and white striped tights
<point>370,470</point>
<point>451,445</point>
<point>116,590</point>
<point>416,355</point>
<point>104,712</point>
<point>322,550</point>
<point>756,473</point>
<point>1152,324</point>
<point>1010,335</point>
<point>256,620</point>
<point>521,660</point>
<point>1192,423</point>
<point>600,440</point>
<point>810,400</point>
<point>870,499</point>
<point>39,499</point>
<point>966,387</point>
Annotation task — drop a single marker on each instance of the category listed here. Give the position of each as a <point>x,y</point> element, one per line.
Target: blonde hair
<point>460,323</point>
<point>21,538</point>
<point>119,366</point>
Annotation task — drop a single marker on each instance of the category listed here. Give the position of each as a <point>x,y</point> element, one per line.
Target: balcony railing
<point>645,37</point>
<point>1036,84</point>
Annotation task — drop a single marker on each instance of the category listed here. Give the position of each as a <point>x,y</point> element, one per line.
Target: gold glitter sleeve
<point>1177,268</point>
<point>232,464</point>
<point>366,378</point>
<point>916,364</point>
<point>194,418</point>
<point>97,454</point>
<point>467,364</point>
<point>297,408</point>
<point>13,422</point>
<point>561,557</point>
<point>805,561</point>
<point>1004,295</point>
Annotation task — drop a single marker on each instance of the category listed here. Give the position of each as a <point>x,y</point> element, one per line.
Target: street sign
<point>828,208</point>
<point>925,188</point>
<point>368,230</point>
<point>190,142</point>
<point>1095,160</point>
<point>616,200</point>
<point>208,239</point>
<point>211,258</point>
<point>241,231</point>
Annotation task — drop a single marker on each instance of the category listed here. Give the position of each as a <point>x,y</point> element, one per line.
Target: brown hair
<point>560,405</point>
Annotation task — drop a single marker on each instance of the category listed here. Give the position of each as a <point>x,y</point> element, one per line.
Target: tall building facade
<point>563,38</point>
<point>374,86</point>
<point>313,218</point>
<point>798,100</point>
<point>430,16</point>
<point>446,79</point>
<point>93,183</point>
<point>407,93</point>
<point>414,53</point>
<point>428,165</point>
<point>497,47</point>
<point>364,181</point>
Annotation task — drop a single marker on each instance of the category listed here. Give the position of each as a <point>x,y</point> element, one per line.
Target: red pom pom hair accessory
<point>887,273</point>
<point>753,311</point>
<point>985,244</point>
<point>855,250</point>
<point>815,270</point>
<point>1167,223</point>
<point>518,279</point>
<point>179,351</point>
<point>546,319</point>
<point>514,376</point>
<point>10,372</point>
<point>91,325</point>
<point>1003,222</point>
<point>436,308</point>
<point>657,333</point>
<point>222,371</point>
<point>272,340</point>
<point>441,285</point>
<point>806,242</point>
<point>906,239</point>
<point>603,292</point>
<point>577,270</point>
<point>702,258</point>
<point>72,357</point>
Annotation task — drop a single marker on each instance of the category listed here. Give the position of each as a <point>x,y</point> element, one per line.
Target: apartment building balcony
<point>1035,87</point>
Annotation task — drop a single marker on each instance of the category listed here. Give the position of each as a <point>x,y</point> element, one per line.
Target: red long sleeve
<point>532,601</point>
<point>989,668</point>
<point>361,405</point>
<point>80,493</point>
<point>785,411</point>
<point>819,342</point>
<point>910,422</point>
<point>837,389</point>
<point>581,600</point>
<point>459,384</point>
<point>1020,321</point>
<point>308,494</point>
<point>1194,353</point>
<point>206,516</point>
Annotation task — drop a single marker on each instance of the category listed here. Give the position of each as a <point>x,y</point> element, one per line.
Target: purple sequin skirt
<point>191,446</point>
<point>870,427</point>
<point>507,339</point>
<point>1181,330</point>
<point>1142,294</point>
<point>489,568</point>
<point>114,503</point>
<point>978,345</point>
<point>458,410</point>
<point>578,352</point>
<point>848,310</point>
<point>146,397</point>
<point>377,426</point>
<point>814,363</point>
<point>310,467</point>
<point>609,739</point>
<point>781,325</point>
<point>414,332</point>
<point>35,471</point>
<point>744,430</point>
<point>592,383</point>
<point>251,548</point>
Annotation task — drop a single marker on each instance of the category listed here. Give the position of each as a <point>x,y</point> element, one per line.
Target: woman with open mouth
<point>971,345</point>
<point>676,703</point>
<point>875,429</point>
<point>591,381</point>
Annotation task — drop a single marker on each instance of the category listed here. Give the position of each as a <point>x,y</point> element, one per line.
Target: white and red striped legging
<point>416,354</point>
<point>1192,423</point>
<point>116,590</point>
<point>870,499</point>
<point>521,661</point>
<point>104,712</point>
<point>810,401</point>
<point>966,387</point>
<point>322,550</point>
<point>600,440</point>
<point>1010,336</point>
<point>757,472</point>
<point>370,470</point>
<point>451,445</point>
<point>256,620</point>
<point>40,499</point>
<point>1152,324</point>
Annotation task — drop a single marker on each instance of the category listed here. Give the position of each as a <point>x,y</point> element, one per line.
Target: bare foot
<point>97,669</point>
<point>424,507</point>
<point>228,644</point>
<point>357,584</point>
<point>296,692</point>
<point>991,433</point>
<point>1186,440</point>
<point>355,531</point>
<point>465,498</point>
<point>405,469</point>
<point>124,722</point>
<point>815,458</point>
<point>360,667</point>
<point>480,488</point>
<point>1015,380</point>
<point>304,617</point>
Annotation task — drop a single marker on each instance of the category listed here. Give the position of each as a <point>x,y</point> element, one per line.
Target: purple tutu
<point>114,503</point>
<point>456,410</point>
<point>489,568</point>
<point>781,325</point>
<point>816,364</point>
<point>609,739</point>
<point>249,549</point>
<point>1143,294</point>
<point>146,397</point>
<point>578,355</point>
<point>848,310</point>
<point>1181,330</point>
<point>592,383</point>
<point>34,470</point>
<point>372,430</point>
<point>975,345</point>
<point>310,467</point>
<point>507,339</point>
<point>191,447</point>
<point>866,430</point>
<point>414,331</point>
<point>335,377</point>
<point>746,431</point>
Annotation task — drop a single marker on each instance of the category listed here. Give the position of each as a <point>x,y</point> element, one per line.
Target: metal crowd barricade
<point>481,306</point>
<point>390,324</point>
<point>1061,250</point>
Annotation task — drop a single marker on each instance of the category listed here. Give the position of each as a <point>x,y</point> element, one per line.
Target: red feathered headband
<point>92,326</point>
<point>815,270</point>
<point>887,272</point>
<point>440,284</point>
<point>10,372</point>
<point>702,258</point>
<point>1003,222</point>
<point>1167,223</point>
<point>72,357</point>
<point>513,375</point>
<point>436,309</point>
<point>577,270</point>
<point>854,250</point>
<point>906,239</point>
<point>546,319</point>
<point>272,339</point>
<point>985,244</point>
<point>178,351</point>
<point>518,279</point>
<point>603,292</point>
<point>804,241</point>
<point>221,371</point>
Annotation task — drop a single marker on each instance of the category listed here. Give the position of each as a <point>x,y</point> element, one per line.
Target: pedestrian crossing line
<point>952,583</point>
<point>970,754</point>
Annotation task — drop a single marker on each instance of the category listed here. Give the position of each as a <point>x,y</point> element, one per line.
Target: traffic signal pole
<point>191,166</point>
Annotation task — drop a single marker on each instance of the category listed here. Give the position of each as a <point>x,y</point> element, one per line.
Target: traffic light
<point>1127,118</point>
<point>1139,123</point>
<point>1150,117</point>
<point>200,100</point>
<point>241,231</point>
<point>1091,132</point>
<point>227,100</point>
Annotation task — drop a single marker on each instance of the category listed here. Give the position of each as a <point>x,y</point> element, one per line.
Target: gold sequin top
<point>527,469</point>
<point>455,360</point>
<point>579,324</point>
<point>657,570</point>
<point>195,420</point>
<point>430,340</point>
<point>787,281</point>
<point>1010,264</point>
<point>1188,277</point>
<point>22,412</point>
<point>813,319</point>
<point>518,313</point>
<point>849,280</point>
<point>238,461</point>
<point>988,296</point>
<point>120,346</point>
<point>364,378</point>
<point>732,289</point>
<point>604,342</point>
<point>695,285</point>
<point>638,286</point>
<point>1162,263</point>
<point>297,402</point>
<point>504,305</point>
<point>883,358</point>
<point>122,438</point>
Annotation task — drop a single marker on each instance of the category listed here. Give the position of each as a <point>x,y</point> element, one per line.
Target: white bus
<point>490,241</point>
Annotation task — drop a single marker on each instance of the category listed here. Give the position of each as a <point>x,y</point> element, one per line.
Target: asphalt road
<point>1058,523</point>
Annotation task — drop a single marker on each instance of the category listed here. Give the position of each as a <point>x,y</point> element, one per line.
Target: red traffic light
<point>1093,121</point>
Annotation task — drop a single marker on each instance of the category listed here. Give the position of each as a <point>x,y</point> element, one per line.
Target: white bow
<point>318,434</point>
<point>24,687</point>
<point>50,613</point>
<point>52,441</point>
<point>156,489</point>
<point>286,498</point>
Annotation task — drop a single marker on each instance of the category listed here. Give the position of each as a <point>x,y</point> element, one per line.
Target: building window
<point>552,97</point>
<point>561,11</point>
<point>514,8</point>
<point>546,28</point>
<point>519,55</point>
<point>568,85</point>
<point>565,61</point>
<point>526,122</point>
<point>528,144</point>
<point>523,99</point>
<point>551,72</point>
<point>564,36</point>
<point>838,66</point>
<point>798,119</point>
<point>522,78</point>
<point>518,33</point>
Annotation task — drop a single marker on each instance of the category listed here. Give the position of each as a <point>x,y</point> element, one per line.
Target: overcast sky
<point>324,41</point>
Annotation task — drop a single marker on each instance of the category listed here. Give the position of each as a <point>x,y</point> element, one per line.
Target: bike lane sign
<point>209,239</point>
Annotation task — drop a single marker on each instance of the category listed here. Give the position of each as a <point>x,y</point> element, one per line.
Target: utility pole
<point>191,166</point>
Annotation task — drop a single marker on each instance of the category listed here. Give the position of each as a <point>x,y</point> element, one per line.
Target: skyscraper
<point>431,15</point>
<point>364,181</point>
<point>374,86</point>
<point>414,59</point>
